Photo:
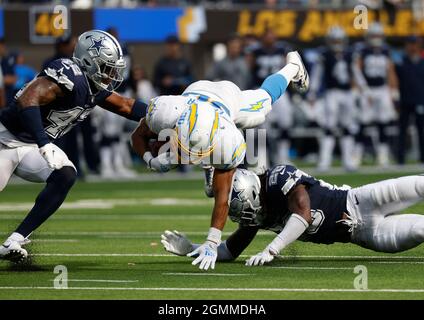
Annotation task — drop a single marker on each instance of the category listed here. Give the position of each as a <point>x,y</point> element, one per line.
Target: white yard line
<point>398,262</point>
<point>121,217</point>
<point>312,268</point>
<point>100,280</point>
<point>224,289</point>
<point>99,204</point>
<point>242,256</point>
<point>208,274</point>
<point>56,240</point>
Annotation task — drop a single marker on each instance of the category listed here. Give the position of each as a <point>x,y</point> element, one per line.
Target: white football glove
<point>259,259</point>
<point>161,163</point>
<point>53,155</point>
<point>207,255</point>
<point>176,243</point>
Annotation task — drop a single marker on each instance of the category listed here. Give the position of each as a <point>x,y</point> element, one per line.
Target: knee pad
<point>64,178</point>
<point>418,229</point>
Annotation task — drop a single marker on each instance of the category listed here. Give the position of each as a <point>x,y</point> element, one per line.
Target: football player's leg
<point>396,233</point>
<point>348,121</point>
<point>256,104</point>
<point>284,120</point>
<point>385,115</point>
<point>328,140</point>
<point>58,183</point>
<point>8,162</point>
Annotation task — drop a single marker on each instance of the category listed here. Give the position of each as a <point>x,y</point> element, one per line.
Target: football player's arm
<point>299,205</point>
<point>129,108</point>
<point>39,92</point>
<point>222,180</point>
<point>207,253</point>
<point>359,78</point>
<point>140,138</point>
<point>393,82</point>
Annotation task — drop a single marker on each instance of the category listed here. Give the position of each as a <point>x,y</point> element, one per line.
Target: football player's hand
<point>162,163</point>
<point>53,155</point>
<point>207,255</point>
<point>176,243</point>
<point>260,259</point>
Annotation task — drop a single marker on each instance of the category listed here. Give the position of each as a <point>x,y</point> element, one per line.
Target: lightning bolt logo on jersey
<point>328,203</point>
<point>61,115</point>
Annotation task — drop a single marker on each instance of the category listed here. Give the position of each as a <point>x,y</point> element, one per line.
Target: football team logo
<point>97,45</point>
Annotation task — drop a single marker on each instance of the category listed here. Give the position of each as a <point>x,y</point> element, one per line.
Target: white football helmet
<point>375,35</point>
<point>100,57</point>
<point>164,111</point>
<point>244,200</point>
<point>197,131</point>
<point>336,39</point>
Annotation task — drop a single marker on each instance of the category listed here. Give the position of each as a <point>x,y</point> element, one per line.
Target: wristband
<point>138,111</point>
<point>214,235</point>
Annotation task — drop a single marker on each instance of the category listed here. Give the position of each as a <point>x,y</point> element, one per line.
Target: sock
<point>289,71</point>
<point>49,200</point>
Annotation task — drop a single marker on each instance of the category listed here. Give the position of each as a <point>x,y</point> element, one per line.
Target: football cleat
<point>11,250</point>
<point>301,80</point>
<point>208,181</point>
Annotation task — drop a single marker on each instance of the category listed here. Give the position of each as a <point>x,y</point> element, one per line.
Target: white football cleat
<point>301,80</point>
<point>11,250</point>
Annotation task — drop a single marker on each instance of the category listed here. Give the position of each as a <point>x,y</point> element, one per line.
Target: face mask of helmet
<point>109,75</point>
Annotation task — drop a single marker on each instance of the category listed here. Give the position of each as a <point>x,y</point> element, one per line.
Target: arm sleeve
<point>294,228</point>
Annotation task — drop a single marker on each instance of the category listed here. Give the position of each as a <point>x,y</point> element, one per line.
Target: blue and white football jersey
<point>62,114</point>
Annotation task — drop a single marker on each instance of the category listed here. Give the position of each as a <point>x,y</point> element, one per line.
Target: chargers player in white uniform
<point>377,80</point>
<point>296,206</point>
<point>207,118</point>
<point>45,109</point>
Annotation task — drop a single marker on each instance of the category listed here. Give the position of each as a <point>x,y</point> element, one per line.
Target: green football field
<point>107,235</point>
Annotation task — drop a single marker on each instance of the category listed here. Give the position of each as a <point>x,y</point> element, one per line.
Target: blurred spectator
<point>411,85</point>
<point>64,48</point>
<point>8,68</point>
<point>141,85</point>
<point>172,72</point>
<point>233,67</point>
<point>24,73</point>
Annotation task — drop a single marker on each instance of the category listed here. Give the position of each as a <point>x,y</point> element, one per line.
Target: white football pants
<point>375,208</point>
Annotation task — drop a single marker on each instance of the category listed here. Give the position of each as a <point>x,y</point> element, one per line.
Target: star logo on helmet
<point>97,45</point>
<point>236,195</point>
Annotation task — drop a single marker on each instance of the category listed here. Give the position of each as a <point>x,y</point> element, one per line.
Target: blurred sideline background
<point>169,44</point>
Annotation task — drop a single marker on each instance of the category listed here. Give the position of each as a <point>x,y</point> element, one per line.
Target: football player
<point>265,59</point>
<point>297,206</point>
<point>207,118</point>
<point>45,109</point>
<point>334,71</point>
<point>376,77</point>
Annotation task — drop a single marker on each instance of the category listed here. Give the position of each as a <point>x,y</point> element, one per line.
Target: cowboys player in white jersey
<point>207,118</point>
<point>377,80</point>
<point>296,206</point>
<point>334,72</point>
<point>45,109</point>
